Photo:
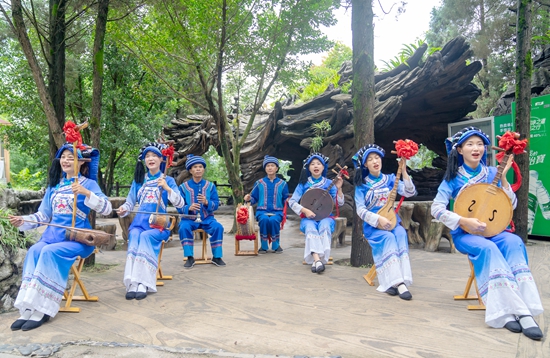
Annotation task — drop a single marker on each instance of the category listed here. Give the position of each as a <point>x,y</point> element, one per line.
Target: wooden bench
<point>466,294</point>
<point>68,295</point>
<point>371,275</point>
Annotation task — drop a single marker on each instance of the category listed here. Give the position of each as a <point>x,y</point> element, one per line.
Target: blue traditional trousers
<point>210,226</point>
<point>502,273</point>
<point>45,274</point>
<point>390,250</point>
<point>318,238</point>
<point>270,225</point>
<point>142,257</point>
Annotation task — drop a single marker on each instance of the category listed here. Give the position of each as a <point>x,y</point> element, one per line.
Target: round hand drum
<point>319,201</point>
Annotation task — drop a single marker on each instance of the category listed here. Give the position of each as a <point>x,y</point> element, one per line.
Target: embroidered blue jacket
<point>270,195</point>
<point>189,190</point>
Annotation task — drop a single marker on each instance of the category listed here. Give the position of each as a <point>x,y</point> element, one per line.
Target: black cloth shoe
<point>513,326</point>
<point>190,262</point>
<point>392,291</point>
<point>279,250</point>
<point>15,326</point>
<point>218,261</point>
<point>313,269</point>
<point>262,251</point>
<point>34,324</point>
<point>532,332</point>
<point>319,268</point>
<point>130,295</point>
<point>405,295</point>
<point>141,295</point>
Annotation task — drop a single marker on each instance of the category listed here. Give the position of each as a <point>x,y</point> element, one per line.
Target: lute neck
<point>393,193</point>
<point>500,168</point>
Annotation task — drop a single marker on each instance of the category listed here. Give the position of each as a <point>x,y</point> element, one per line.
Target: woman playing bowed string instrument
<point>503,277</point>
<point>144,241</point>
<point>47,264</point>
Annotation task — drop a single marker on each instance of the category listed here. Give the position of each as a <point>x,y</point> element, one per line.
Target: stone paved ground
<point>272,305</point>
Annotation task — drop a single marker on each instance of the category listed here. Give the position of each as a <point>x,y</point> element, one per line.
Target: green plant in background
<point>10,238</point>
<point>320,130</point>
<point>406,52</point>
<point>216,171</point>
<point>25,180</point>
<point>285,168</point>
<point>422,159</point>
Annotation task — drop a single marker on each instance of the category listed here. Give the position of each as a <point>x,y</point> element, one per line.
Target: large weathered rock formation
<point>414,101</point>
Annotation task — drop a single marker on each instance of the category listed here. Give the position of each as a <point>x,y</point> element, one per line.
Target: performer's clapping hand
<point>79,189</point>
<point>308,213</point>
<point>473,224</point>
<point>15,220</point>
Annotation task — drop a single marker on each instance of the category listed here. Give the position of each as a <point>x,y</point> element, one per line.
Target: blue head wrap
<point>84,152</point>
<point>462,136</point>
<point>268,159</point>
<point>194,159</point>
<point>360,158</point>
<point>155,148</point>
<point>323,159</point>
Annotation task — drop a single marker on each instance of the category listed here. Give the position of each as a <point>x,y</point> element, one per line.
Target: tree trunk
<point>363,105</point>
<point>524,69</point>
<point>98,53</point>
<point>21,32</point>
<point>56,63</point>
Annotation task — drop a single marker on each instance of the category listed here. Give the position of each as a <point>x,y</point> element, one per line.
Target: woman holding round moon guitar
<point>499,257</point>
<point>318,230</point>
<point>374,198</point>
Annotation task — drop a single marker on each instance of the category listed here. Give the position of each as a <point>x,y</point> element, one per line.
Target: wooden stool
<point>371,275</point>
<point>465,295</point>
<point>69,297</point>
<point>239,252</point>
<point>160,276</point>
<point>204,259</point>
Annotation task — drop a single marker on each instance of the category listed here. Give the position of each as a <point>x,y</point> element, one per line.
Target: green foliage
<point>486,26</point>
<point>320,130</point>
<point>10,238</point>
<point>405,53</point>
<point>338,55</point>
<point>25,180</point>
<point>216,171</point>
<point>422,159</point>
<point>320,78</point>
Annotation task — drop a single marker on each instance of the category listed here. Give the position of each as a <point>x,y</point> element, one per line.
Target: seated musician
<point>48,262</point>
<point>503,277</point>
<point>145,240</point>
<point>390,249</point>
<point>270,193</point>
<point>318,232</point>
<point>201,199</point>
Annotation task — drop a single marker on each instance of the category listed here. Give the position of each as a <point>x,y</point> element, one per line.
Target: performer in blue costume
<point>47,264</point>
<point>144,241</point>
<point>270,193</point>
<point>318,233</point>
<point>390,249</point>
<point>500,262</point>
<point>201,199</point>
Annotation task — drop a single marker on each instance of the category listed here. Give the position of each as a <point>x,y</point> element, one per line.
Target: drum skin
<point>487,203</point>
